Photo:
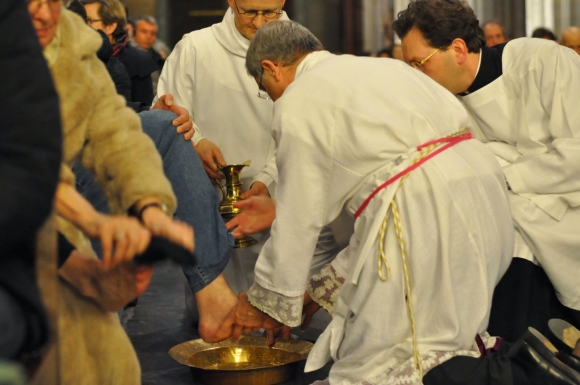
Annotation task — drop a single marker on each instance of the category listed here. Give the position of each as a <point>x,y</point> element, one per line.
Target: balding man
<point>494,33</point>
<point>571,38</point>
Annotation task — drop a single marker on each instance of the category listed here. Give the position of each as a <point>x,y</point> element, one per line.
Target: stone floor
<point>159,322</point>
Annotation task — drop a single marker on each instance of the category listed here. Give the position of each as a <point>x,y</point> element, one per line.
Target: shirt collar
<point>489,68</point>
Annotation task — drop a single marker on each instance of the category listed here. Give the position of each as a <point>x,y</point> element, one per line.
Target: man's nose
<point>43,12</point>
<point>259,21</point>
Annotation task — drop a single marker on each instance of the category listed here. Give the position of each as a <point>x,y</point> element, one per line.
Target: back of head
<point>441,22</point>
<point>76,7</point>
<point>111,11</point>
<point>281,41</point>
<point>544,33</point>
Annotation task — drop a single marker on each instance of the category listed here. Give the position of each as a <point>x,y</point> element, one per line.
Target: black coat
<point>30,157</point>
<point>116,69</point>
<point>139,66</point>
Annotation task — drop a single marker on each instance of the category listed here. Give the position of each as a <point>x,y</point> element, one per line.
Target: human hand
<point>112,288</point>
<point>310,307</point>
<point>256,189</point>
<point>258,214</point>
<point>183,122</point>
<point>272,335</point>
<point>162,225</point>
<point>125,234</point>
<point>249,319</point>
<point>211,158</point>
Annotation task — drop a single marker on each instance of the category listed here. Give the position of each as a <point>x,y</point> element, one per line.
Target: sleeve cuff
<point>266,179</point>
<point>323,288</point>
<point>514,179</point>
<point>287,310</point>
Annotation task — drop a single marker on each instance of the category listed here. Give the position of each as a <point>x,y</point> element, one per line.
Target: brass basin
<point>247,361</point>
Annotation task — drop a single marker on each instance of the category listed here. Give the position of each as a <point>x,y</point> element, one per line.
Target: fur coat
<point>107,138</point>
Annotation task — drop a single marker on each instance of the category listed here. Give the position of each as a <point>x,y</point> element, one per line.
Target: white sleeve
<point>178,79</point>
<point>304,161</point>
<point>555,166</point>
<point>268,174</point>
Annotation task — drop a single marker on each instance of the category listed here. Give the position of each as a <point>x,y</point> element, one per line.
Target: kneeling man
<point>433,233</point>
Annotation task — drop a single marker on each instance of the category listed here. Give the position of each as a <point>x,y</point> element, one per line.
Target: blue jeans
<point>197,202</point>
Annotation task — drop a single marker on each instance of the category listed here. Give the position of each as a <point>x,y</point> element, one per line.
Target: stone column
<point>377,24</point>
<point>539,13</point>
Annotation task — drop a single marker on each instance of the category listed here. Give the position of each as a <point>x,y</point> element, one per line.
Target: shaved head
<point>571,38</point>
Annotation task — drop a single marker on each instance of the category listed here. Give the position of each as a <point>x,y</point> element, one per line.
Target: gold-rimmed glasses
<point>262,94</point>
<point>252,14</point>
<point>35,5</point>
<point>419,65</point>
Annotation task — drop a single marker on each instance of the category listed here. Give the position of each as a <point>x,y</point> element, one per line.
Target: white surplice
<point>343,127</point>
<point>206,74</point>
<point>530,118</point>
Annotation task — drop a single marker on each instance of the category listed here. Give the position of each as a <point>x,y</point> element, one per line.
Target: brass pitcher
<point>231,191</point>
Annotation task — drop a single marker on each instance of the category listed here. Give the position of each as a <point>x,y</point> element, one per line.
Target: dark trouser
<point>491,369</point>
<point>525,297</point>
<point>197,202</point>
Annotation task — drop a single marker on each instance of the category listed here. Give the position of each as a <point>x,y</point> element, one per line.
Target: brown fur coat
<point>107,137</point>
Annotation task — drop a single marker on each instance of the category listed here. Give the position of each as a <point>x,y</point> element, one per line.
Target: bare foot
<point>214,303</point>
<point>576,351</point>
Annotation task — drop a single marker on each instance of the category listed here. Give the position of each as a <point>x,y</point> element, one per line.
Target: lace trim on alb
<point>287,310</point>
<point>324,287</point>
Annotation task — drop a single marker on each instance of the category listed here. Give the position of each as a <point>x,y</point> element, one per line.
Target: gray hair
<point>147,18</point>
<point>282,41</point>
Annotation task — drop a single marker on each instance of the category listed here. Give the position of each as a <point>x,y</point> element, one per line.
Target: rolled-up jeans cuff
<point>199,278</point>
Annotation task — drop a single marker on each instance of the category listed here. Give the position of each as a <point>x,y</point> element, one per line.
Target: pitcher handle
<point>222,187</point>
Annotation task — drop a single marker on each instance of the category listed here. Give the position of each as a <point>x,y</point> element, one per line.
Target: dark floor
<point>159,322</point>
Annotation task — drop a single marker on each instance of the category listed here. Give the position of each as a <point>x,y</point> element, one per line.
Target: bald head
<point>571,38</point>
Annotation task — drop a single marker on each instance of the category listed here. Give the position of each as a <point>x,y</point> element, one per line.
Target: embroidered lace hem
<point>287,310</point>
<point>408,375</point>
<point>323,288</point>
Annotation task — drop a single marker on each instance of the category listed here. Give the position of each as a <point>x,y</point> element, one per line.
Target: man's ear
<point>460,49</point>
<point>272,68</point>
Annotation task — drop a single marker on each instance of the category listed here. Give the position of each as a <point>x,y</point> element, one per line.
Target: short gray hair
<point>283,41</point>
<point>147,18</point>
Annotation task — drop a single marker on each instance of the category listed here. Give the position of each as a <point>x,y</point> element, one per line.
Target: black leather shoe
<point>570,360</point>
<point>563,335</point>
<point>537,357</point>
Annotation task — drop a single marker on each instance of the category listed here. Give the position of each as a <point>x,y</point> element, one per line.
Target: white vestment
<point>206,74</point>
<point>531,119</point>
<point>342,128</point>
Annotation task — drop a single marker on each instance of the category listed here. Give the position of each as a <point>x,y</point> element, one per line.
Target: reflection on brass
<point>207,13</point>
<point>247,361</point>
<point>231,191</point>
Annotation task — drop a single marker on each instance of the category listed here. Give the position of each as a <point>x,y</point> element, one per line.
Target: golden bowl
<point>247,361</point>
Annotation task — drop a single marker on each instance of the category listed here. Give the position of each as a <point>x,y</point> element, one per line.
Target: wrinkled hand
<point>112,289</point>
<point>249,319</point>
<point>272,335</point>
<point>257,189</point>
<point>183,122</point>
<point>211,157</point>
<point>128,237</point>
<point>310,307</point>
<point>161,225</point>
<point>258,214</point>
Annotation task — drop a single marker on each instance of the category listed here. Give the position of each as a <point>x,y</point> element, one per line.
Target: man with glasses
<point>206,74</point>
<point>522,96</point>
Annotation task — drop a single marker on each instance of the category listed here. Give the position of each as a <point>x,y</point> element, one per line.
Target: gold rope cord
<point>382,257</point>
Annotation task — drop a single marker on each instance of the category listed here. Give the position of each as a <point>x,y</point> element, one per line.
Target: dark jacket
<point>116,69</point>
<point>30,158</point>
<point>139,66</point>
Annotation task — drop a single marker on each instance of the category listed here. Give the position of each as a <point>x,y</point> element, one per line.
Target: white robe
<point>531,118</point>
<point>206,74</point>
<point>341,127</point>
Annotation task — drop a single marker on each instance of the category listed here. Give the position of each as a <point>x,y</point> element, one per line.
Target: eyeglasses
<point>419,65</point>
<point>262,94</point>
<point>35,5</point>
<point>268,14</point>
<point>92,21</point>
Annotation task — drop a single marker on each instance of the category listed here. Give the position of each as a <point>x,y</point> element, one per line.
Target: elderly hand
<point>256,189</point>
<point>211,157</point>
<point>258,214</point>
<point>162,225</point>
<point>249,319</point>
<point>310,307</point>
<point>113,288</point>
<point>126,234</point>
<point>183,122</point>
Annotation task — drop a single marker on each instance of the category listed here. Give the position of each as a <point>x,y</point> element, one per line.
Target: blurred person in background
<point>494,33</point>
<point>571,38</point>
<point>398,52</point>
<point>544,33</point>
